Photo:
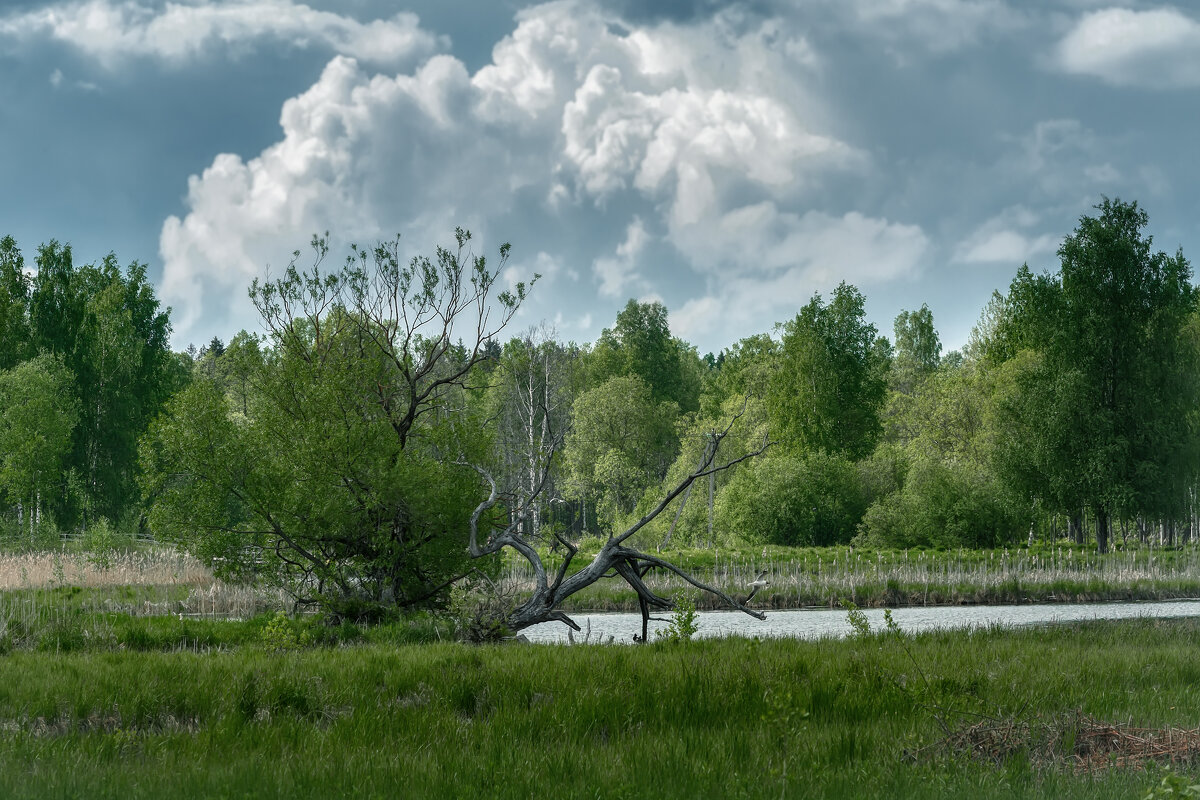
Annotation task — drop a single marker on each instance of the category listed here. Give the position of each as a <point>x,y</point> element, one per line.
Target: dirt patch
<point>1076,741</point>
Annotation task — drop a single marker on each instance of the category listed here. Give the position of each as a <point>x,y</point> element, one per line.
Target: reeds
<point>156,567</point>
<point>880,578</point>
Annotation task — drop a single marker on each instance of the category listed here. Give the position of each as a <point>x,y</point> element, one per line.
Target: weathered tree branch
<point>613,559</point>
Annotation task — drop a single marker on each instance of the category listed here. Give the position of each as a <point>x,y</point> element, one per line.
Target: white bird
<point>757,584</point>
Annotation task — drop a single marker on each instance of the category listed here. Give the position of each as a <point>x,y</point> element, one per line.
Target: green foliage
<point>831,381</point>
<point>105,325</point>
<point>621,443</point>
<point>340,473</point>
<point>282,633</point>
<point>742,370</point>
<point>15,338</point>
<point>856,618</point>
<point>102,541</point>
<point>689,514</point>
<point>883,472</point>
<point>917,348</point>
<point>38,414</point>
<point>1108,411</point>
<point>946,504</point>
<point>816,499</point>
<point>533,386</point>
<point>640,345</point>
<point>1173,785</point>
<point>684,622</point>
<point>478,608</point>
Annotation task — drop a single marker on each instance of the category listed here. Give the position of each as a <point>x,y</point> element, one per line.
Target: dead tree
<point>616,558</point>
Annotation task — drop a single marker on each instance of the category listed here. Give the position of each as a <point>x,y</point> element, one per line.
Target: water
<point>816,623</point>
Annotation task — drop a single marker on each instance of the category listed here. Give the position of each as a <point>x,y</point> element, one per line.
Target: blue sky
<point>728,159</point>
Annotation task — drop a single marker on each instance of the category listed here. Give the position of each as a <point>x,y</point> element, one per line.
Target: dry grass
<point>164,567</point>
<point>157,567</point>
<point>1078,741</point>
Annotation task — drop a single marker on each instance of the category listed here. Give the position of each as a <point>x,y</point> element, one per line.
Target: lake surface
<point>819,622</point>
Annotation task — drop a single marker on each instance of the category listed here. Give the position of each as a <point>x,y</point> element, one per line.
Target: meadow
<point>272,714</point>
<point>139,675</point>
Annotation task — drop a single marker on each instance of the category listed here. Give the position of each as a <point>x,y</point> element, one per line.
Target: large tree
<point>621,443</point>
<point>917,348</point>
<point>640,343</point>
<point>15,344</point>
<point>831,381</point>
<point>335,475</point>
<point>532,387</point>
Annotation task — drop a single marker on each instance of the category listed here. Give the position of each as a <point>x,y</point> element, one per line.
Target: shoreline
<point>943,596</point>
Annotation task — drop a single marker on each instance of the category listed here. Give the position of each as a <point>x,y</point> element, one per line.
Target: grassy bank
<point>803,577</point>
<point>728,718</point>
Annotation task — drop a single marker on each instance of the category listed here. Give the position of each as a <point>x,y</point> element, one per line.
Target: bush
<point>813,500</point>
<point>282,633</point>
<point>945,505</point>
<point>684,622</point>
<point>102,541</point>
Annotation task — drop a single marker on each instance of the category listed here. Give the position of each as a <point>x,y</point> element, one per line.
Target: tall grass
<point>821,576</point>
<point>713,718</point>
<point>62,567</point>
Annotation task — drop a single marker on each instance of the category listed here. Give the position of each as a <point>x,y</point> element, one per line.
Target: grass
<point>114,619</point>
<point>802,577</point>
<point>157,566</point>
<point>721,718</point>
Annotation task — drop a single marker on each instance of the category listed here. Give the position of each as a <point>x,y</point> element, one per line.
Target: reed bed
<point>154,567</point>
<point>880,578</point>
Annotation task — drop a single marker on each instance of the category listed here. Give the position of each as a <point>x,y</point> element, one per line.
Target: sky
<point>729,159</point>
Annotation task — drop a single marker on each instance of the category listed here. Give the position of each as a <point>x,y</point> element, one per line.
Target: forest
<point>350,451</point>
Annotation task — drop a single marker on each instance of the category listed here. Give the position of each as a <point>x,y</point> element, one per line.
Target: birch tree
<point>38,413</point>
<point>534,388</point>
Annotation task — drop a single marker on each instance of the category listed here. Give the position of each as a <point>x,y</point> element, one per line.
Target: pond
<point>819,622</point>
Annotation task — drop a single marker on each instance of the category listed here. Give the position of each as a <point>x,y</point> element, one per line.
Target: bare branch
<point>705,470</point>
<point>658,562</point>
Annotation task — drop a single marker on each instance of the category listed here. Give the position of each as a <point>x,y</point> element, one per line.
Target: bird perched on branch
<point>757,584</point>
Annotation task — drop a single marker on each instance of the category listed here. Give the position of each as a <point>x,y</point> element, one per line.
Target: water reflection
<point>815,623</point>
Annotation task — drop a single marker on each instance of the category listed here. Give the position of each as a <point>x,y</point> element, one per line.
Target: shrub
<point>684,622</point>
<point>813,500</point>
<point>944,504</point>
<point>282,633</point>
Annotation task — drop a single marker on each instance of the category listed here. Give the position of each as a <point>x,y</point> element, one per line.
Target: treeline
<point>1072,410</point>
<point>85,364</point>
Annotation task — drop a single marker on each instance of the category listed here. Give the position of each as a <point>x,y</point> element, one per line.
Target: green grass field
<point>238,718</point>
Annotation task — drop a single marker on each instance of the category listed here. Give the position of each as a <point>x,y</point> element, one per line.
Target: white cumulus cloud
<point>618,274</point>
<point>111,30</point>
<point>1156,48</point>
<point>705,132</point>
<point>361,156</point>
<point>1007,239</point>
<point>794,256</point>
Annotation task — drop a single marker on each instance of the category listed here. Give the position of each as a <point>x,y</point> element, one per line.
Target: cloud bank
<point>112,31</point>
<point>705,132</point>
